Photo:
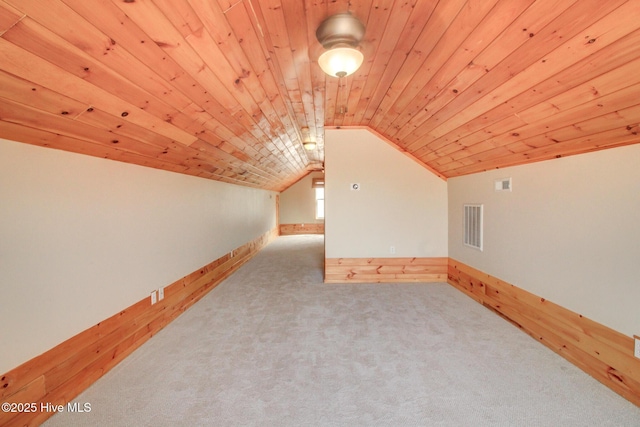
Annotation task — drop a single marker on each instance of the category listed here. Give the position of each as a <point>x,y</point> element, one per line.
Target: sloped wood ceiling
<point>225,89</point>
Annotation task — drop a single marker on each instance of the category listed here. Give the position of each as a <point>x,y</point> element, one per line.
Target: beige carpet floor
<point>274,346</point>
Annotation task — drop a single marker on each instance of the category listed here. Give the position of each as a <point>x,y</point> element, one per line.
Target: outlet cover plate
<point>160,294</point>
<point>636,348</point>
<point>154,297</point>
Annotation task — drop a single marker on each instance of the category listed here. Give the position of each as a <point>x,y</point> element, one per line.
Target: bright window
<point>319,203</point>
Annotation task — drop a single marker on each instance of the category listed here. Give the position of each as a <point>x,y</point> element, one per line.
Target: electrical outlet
<point>392,249</point>
<point>160,294</point>
<point>154,297</point>
<point>636,349</point>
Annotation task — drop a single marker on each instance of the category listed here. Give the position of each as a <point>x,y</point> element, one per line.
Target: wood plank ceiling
<point>226,89</point>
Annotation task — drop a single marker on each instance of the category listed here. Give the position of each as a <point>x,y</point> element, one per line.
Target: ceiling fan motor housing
<point>341,29</point>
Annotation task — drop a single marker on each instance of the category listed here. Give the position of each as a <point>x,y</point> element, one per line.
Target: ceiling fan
<point>340,34</point>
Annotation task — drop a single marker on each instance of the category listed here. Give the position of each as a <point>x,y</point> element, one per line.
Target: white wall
<point>298,202</point>
<point>82,238</point>
<point>569,232</point>
<point>400,203</point>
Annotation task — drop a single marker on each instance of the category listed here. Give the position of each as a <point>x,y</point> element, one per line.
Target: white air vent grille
<point>503,184</point>
<point>473,226</point>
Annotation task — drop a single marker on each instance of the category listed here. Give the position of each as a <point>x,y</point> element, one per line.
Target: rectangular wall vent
<point>473,226</point>
<point>503,184</point>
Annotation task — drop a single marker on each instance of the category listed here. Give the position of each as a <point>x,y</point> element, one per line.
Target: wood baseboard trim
<point>60,374</point>
<point>293,229</point>
<point>385,270</point>
<point>603,353</point>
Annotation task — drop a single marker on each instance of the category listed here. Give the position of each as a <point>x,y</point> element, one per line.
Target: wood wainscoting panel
<point>290,229</point>
<point>385,270</point>
<point>603,353</point>
<point>61,373</point>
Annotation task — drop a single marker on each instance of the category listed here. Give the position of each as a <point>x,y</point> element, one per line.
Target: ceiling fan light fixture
<point>341,61</point>
<point>340,34</point>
